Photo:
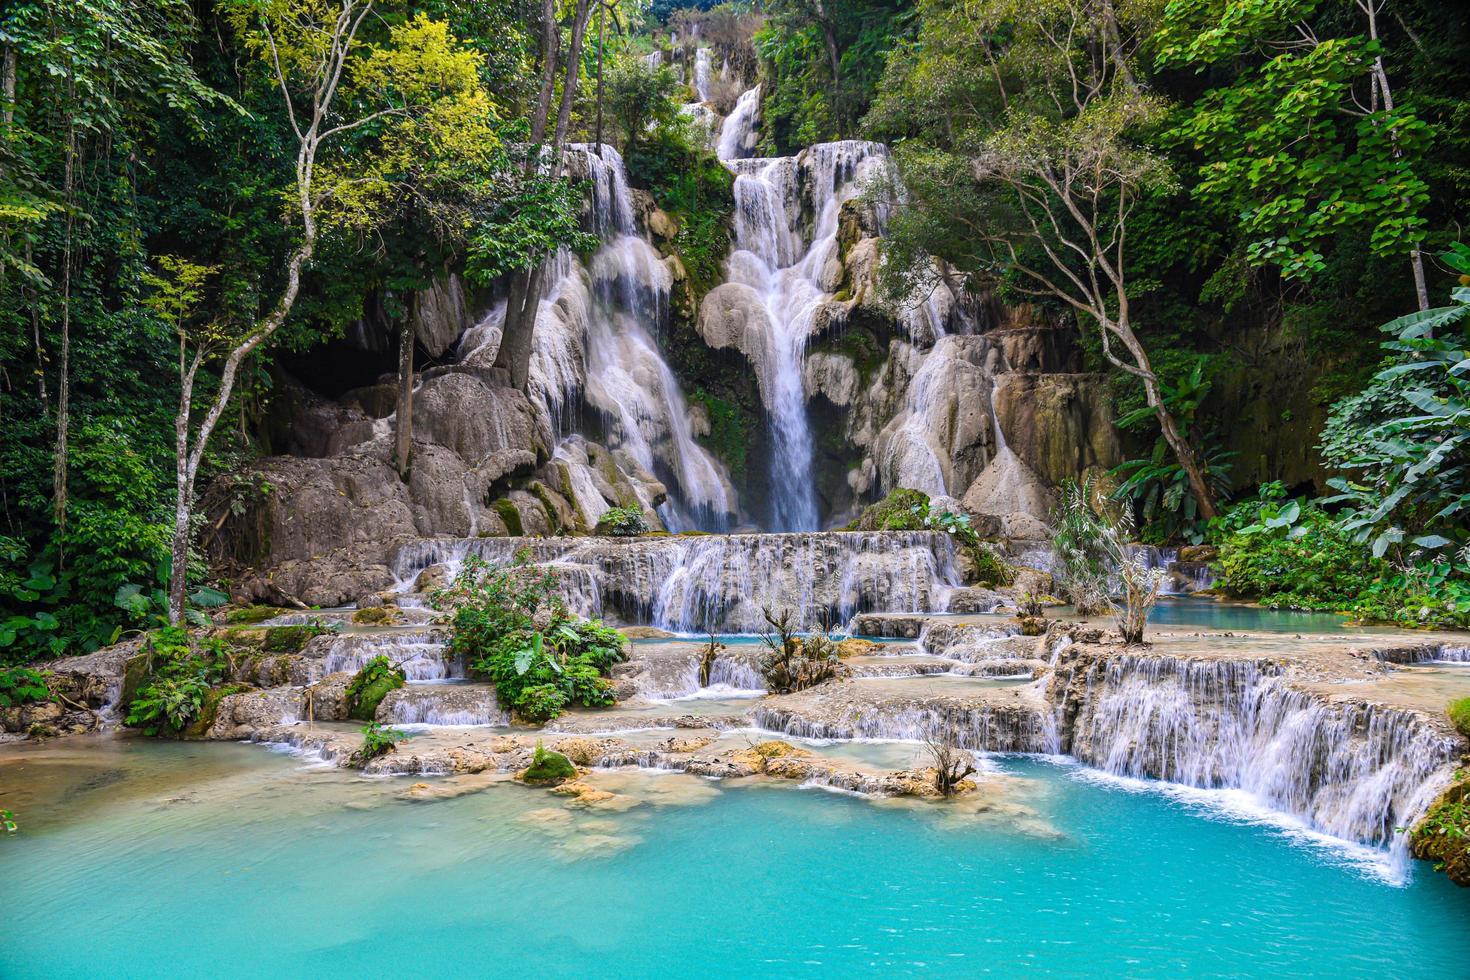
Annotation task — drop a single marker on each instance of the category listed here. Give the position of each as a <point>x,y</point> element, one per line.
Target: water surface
<point>167,860</point>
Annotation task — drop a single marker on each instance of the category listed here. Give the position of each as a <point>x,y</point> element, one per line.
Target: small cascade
<point>738,133</point>
<point>1351,769</point>
<point>722,582</point>
<point>979,729</point>
<point>421,654</point>
<point>702,73</point>
<point>729,676</point>
<point>458,705</point>
<point>787,281</point>
<point>1448,654</point>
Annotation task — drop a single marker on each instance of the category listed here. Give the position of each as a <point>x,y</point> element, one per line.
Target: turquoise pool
<point>156,860</point>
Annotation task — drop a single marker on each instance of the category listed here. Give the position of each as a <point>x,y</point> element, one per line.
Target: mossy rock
<point>249,615</point>
<point>376,616</point>
<point>1459,712</point>
<point>505,508</point>
<point>894,512</point>
<point>548,768</point>
<point>987,568</point>
<point>287,639</point>
<point>135,674</point>
<point>365,707</point>
<point>209,710</point>
<point>1443,836</point>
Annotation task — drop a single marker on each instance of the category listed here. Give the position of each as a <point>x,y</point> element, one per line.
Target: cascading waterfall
<point>785,275</point>
<point>1353,770</point>
<point>738,133</point>
<point>722,582</point>
<point>596,339</point>
<point>702,73</point>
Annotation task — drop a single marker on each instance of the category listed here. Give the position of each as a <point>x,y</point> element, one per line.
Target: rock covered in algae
<point>547,768</point>
<point>1443,836</point>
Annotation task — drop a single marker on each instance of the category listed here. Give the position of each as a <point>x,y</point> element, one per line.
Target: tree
<point>1307,141</point>
<point>364,114</point>
<point>517,336</point>
<point>1060,175</point>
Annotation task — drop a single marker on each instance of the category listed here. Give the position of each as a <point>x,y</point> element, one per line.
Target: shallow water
<point>162,860</point>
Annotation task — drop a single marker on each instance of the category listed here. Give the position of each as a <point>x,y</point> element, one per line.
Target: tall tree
<point>365,113</point>
<point>1047,158</point>
<point>518,334</point>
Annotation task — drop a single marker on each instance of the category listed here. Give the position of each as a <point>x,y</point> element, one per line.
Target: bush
<point>793,662</point>
<point>1459,712</point>
<point>1306,561</point>
<point>370,686</point>
<point>178,676</point>
<point>548,767</point>
<point>622,522</point>
<point>902,510</point>
<point>510,625</point>
<point>377,740</point>
<point>20,685</point>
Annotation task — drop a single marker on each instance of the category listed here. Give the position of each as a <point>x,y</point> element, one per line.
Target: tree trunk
<point>63,383</point>
<point>518,335</point>
<point>7,88</point>
<point>549,38</point>
<point>569,82</point>
<point>178,581</point>
<point>403,417</point>
<point>1380,77</point>
<point>1142,369</point>
<point>601,43</point>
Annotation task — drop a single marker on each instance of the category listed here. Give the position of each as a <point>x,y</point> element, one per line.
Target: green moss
<point>1443,836</point>
<point>370,686</point>
<point>1459,712</point>
<point>553,520</point>
<point>209,709</point>
<point>511,517</point>
<point>902,510</point>
<point>376,616</point>
<point>730,426</point>
<point>288,639</point>
<point>548,767</point>
<point>252,614</point>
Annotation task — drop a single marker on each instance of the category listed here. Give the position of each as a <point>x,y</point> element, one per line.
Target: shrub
<point>1095,566</point>
<point>622,522</point>
<point>548,767</point>
<point>370,686</point>
<point>1079,540</point>
<point>377,740</point>
<point>1459,712</point>
<point>902,510</point>
<point>20,685</point>
<point>510,625</point>
<point>793,662</point>
<point>177,677</point>
<point>7,821</point>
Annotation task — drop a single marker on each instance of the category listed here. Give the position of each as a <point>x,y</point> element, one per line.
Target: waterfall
<point>702,73</point>
<point>738,134</point>
<point>420,653</point>
<point>596,339</point>
<point>722,582</point>
<point>458,705</point>
<point>786,278</point>
<point>1351,769</point>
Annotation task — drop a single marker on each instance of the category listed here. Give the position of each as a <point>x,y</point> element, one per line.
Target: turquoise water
<point>227,860</point>
<point>1210,614</point>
